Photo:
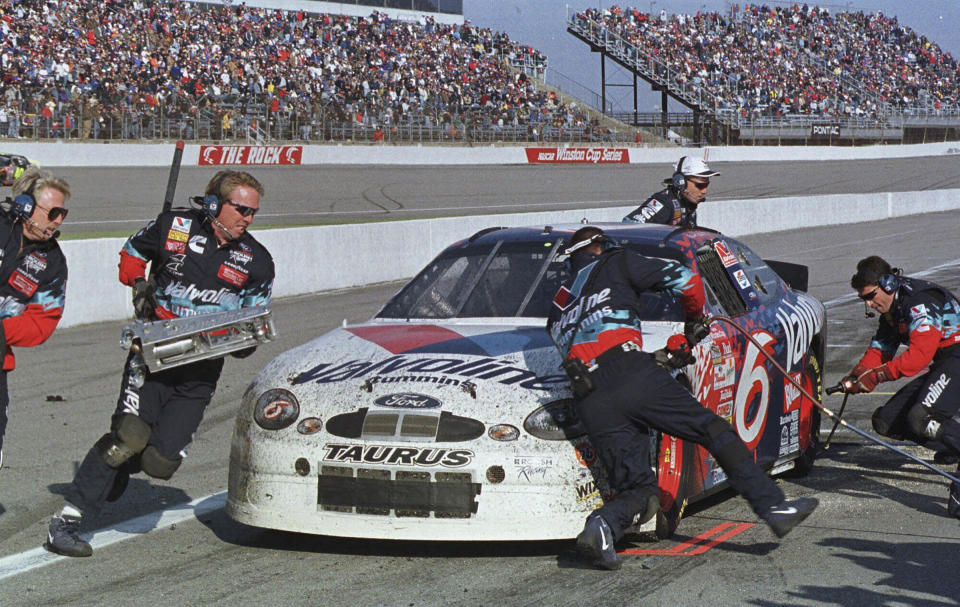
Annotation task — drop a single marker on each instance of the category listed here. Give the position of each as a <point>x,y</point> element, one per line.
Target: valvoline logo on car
<point>408,400</point>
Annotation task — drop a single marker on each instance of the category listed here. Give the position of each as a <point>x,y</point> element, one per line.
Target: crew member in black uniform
<point>204,260</point>
<point>676,205</point>
<point>33,270</point>
<point>926,317</point>
<point>621,390</point>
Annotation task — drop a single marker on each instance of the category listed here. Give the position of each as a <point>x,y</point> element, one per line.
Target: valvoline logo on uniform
<point>181,224</point>
<point>408,400</point>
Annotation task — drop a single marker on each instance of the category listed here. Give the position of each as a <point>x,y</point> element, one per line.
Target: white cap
<point>696,167</point>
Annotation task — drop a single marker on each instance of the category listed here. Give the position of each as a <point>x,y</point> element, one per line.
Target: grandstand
<point>225,71</point>
<point>783,74</point>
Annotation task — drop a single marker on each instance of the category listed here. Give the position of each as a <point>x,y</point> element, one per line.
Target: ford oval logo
<point>408,400</point>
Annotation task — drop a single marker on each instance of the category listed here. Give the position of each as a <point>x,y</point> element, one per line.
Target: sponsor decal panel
<point>726,257</point>
<point>532,467</point>
<point>175,246</point>
<point>181,224</point>
<point>451,370</point>
<point>578,155</point>
<point>790,432</point>
<point>397,456</point>
<point>231,275</point>
<point>177,235</point>
<point>250,154</point>
<point>22,283</point>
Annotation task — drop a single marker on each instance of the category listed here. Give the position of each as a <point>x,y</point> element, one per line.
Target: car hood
<point>428,364</point>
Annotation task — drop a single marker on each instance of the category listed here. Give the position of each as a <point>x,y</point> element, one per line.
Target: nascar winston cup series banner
<point>578,155</point>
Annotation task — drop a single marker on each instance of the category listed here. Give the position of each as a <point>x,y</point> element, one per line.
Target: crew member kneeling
<point>620,390</point>
<point>925,317</point>
<point>203,261</point>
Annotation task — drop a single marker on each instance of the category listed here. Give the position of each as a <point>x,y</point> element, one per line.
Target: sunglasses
<point>869,296</point>
<point>54,213</point>
<point>243,209</point>
<point>700,185</point>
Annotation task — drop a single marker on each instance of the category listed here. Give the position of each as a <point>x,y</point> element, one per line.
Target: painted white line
<point>16,564</point>
<point>844,345</point>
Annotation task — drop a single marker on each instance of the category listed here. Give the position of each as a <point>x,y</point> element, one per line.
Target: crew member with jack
<point>621,390</point>
<point>925,317</point>
<point>203,261</point>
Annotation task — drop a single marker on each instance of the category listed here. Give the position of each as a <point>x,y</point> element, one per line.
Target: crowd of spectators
<point>149,68</point>
<point>793,60</point>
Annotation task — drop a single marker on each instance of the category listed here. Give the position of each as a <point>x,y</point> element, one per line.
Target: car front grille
<point>407,494</point>
<point>441,426</point>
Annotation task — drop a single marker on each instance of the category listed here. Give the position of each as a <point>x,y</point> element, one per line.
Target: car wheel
<point>813,383</point>
<point>675,481</point>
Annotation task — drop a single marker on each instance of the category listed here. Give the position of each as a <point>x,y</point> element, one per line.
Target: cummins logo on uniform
<point>397,456</point>
<point>936,389</point>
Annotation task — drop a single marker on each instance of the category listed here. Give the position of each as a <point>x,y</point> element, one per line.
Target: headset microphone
<point>217,223</point>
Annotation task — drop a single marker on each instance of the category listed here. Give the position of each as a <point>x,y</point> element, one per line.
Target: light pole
<point>651,7</point>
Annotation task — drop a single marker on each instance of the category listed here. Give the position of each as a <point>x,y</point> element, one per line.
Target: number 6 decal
<point>753,379</point>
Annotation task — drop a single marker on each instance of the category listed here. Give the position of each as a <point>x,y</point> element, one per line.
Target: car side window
<point>715,276</point>
<point>764,279</point>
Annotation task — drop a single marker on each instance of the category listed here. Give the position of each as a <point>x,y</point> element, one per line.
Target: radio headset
<point>888,283</point>
<point>678,180</point>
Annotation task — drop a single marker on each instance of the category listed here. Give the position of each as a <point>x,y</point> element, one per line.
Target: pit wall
<point>322,258</point>
<point>62,154</point>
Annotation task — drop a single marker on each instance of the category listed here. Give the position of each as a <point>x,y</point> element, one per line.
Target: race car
<point>447,416</point>
<point>11,166</point>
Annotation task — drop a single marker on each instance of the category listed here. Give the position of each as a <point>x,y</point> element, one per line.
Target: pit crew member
<point>33,270</point>
<point>676,205</point>
<point>620,390</point>
<point>926,318</point>
<point>204,260</point>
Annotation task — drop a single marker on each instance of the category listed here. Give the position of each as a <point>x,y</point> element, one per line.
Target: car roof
<point>623,233</point>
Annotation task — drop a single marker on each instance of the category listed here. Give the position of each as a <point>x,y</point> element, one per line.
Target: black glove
<point>145,298</point>
<point>244,353</point>
<point>695,330</point>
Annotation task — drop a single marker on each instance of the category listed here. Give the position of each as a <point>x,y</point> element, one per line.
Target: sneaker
<point>595,542</point>
<point>783,517</point>
<point>64,537</point>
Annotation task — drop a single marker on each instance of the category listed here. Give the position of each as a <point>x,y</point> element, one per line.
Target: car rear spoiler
<point>795,275</point>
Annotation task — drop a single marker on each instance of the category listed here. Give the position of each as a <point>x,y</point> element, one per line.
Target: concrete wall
<point>332,257</point>
<point>62,154</point>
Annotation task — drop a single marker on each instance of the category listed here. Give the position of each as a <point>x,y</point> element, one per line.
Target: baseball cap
<point>696,167</point>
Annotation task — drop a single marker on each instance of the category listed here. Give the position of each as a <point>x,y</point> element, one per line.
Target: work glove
<point>145,298</point>
<point>696,329</point>
<point>850,383</point>
<point>869,380</point>
<point>676,354</point>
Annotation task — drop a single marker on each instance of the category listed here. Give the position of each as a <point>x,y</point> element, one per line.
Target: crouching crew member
<point>676,205</point>
<point>620,390</point>
<point>203,261</point>
<point>925,317</point>
<point>33,270</point>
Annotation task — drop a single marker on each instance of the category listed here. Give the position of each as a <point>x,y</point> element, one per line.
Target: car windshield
<point>505,279</point>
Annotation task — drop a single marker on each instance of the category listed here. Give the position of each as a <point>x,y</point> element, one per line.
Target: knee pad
<point>880,425</point>
<point>127,440</point>
<point>924,424</point>
<point>156,465</point>
<point>725,446</point>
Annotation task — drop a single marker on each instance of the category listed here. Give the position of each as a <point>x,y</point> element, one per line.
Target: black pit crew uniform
<point>926,318</point>
<point>33,284</point>
<point>667,207</point>
<point>595,318</point>
<point>152,425</point>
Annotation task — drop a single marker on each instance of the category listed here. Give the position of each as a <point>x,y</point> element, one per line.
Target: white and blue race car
<point>447,416</point>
